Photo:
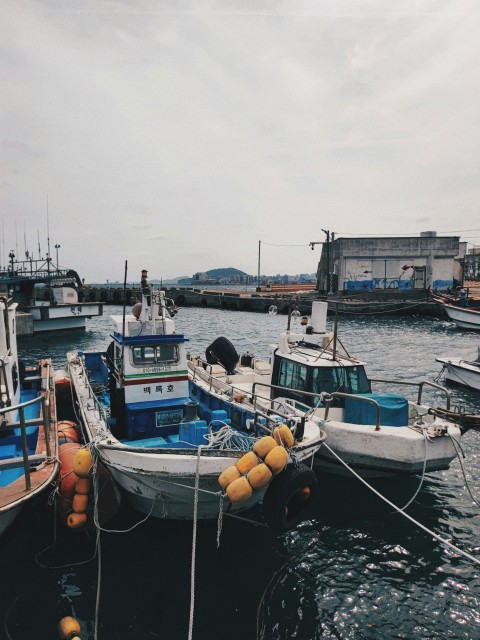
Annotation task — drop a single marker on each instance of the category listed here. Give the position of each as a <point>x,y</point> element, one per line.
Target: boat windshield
<point>155,354</point>
<point>342,379</point>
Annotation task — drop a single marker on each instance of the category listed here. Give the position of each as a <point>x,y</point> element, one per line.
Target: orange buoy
<point>83,463</point>
<point>66,455</point>
<point>229,475</point>
<point>239,490</point>
<point>83,486</point>
<point>259,476</point>
<point>79,503</point>
<point>68,431</point>
<point>69,628</point>
<point>283,436</point>
<point>247,462</point>
<point>77,520</point>
<point>263,446</point>
<point>277,459</point>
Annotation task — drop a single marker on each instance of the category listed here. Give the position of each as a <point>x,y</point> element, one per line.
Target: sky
<point>176,136</point>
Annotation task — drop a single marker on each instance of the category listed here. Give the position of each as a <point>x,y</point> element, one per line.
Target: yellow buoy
<point>77,520</point>
<point>239,490</point>
<point>259,476</point>
<point>263,446</point>
<point>229,475</point>
<point>283,435</point>
<point>277,459</point>
<point>247,462</point>
<point>83,486</point>
<point>83,463</point>
<point>80,503</point>
<point>69,628</point>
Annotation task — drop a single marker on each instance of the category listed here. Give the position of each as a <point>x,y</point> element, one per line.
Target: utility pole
<point>327,287</point>
<point>258,279</point>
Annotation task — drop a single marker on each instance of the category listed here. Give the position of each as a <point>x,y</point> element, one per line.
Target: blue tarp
<point>393,410</point>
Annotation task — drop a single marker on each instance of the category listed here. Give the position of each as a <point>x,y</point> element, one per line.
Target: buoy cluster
<point>75,483</point>
<point>257,467</point>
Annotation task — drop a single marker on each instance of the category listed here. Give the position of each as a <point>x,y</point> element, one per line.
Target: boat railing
<point>327,398</point>
<point>256,399</point>
<point>102,413</point>
<point>22,423</point>
<point>420,386</point>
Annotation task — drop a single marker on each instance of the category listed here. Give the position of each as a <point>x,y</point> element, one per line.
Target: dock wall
<point>400,303</point>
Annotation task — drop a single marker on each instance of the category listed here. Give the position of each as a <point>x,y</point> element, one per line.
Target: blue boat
<point>172,454</point>
<point>28,438</point>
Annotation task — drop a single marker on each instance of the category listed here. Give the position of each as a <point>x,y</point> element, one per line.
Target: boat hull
<point>164,485</point>
<point>463,317</point>
<point>63,317</point>
<point>462,374</point>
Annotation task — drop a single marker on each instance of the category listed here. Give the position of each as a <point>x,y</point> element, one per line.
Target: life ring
<point>104,295</point>
<point>290,497</point>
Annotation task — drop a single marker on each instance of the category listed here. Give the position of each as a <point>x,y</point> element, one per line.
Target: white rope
<point>424,431</point>
<point>415,522</point>
<point>194,545</point>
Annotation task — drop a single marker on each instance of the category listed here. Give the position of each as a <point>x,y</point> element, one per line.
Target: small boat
<point>28,437</point>
<point>462,310</point>
<point>53,297</point>
<point>171,455</point>
<point>463,372</point>
<point>374,433</point>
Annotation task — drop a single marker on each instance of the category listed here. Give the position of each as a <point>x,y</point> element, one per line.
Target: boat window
<point>341,379</point>
<point>155,354</point>
<point>292,375</point>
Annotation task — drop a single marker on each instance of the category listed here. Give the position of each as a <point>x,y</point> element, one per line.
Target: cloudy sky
<point>176,135</point>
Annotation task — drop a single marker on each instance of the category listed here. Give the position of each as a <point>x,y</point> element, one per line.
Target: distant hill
<point>225,273</point>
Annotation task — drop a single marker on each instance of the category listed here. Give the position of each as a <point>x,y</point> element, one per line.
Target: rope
<point>424,430</point>
<point>415,522</point>
<point>458,447</point>
<point>220,519</point>
<point>194,545</point>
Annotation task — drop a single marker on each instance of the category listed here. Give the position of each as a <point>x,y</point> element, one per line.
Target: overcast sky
<point>176,135</point>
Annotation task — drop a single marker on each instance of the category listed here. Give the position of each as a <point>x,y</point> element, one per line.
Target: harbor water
<point>356,570</point>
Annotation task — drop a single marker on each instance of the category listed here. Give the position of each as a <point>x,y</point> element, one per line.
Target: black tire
<point>290,497</point>
<point>222,351</point>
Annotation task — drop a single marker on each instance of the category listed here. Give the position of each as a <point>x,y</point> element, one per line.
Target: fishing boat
<point>172,456</point>
<point>28,440</point>
<point>462,310</point>
<point>463,372</point>
<point>310,371</point>
<point>53,297</point>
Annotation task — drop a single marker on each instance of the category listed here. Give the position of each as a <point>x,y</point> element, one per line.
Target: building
<point>394,263</point>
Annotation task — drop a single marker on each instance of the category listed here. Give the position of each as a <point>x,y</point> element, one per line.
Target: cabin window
<point>292,375</point>
<point>341,379</point>
<point>155,354</point>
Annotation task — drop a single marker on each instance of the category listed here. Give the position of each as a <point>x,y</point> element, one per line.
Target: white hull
<point>63,316</point>
<point>461,372</point>
<point>388,451</point>
<point>463,317</point>
<point>163,485</point>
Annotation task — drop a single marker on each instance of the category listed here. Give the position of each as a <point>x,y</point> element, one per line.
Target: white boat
<point>28,440</point>
<point>136,410</point>
<point>464,312</point>
<point>376,434</point>
<point>463,372</point>
<point>53,297</point>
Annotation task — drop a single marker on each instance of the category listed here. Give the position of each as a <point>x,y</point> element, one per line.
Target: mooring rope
<point>405,515</point>
<point>194,544</point>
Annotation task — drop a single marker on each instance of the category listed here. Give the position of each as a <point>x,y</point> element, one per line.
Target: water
<point>355,570</point>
